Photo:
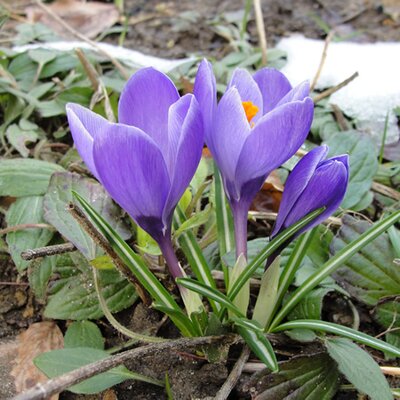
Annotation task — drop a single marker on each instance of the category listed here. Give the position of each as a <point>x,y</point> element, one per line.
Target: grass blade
<point>271,247</point>
<point>340,330</point>
<point>208,292</point>
<point>335,262</point>
<point>195,256</point>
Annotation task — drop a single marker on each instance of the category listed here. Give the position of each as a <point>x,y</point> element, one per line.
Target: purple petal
<point>248,89</point>
<point>133,171</point>
<point>300,92</point>
<point>273,141</point>
<point>297,181</point>
<point>206,94</point>
<point>230,131</point>
<point>326,188</point>
<point>145,102</point>
<point>186,129</point>
<point>273,86</point>
<point>85,127</point>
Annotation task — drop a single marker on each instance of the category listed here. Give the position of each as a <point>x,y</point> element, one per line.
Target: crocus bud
<point>313,183</point>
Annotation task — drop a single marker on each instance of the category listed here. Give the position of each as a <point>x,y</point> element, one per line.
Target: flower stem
<point>240,223</point>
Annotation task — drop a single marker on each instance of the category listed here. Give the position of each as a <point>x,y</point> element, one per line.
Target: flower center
<point>250,109</point>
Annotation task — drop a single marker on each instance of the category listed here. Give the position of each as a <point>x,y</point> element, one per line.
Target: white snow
<point>133,58</point>
<point>368,98</point>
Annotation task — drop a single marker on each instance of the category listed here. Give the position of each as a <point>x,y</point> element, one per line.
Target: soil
<point>174,29</point>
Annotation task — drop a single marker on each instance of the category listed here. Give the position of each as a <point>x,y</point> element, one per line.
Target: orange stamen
<point>250,109</point>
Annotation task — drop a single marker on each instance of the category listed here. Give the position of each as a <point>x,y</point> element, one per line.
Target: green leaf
<point>339,330</point>
<point>209,292</point>
<point>26,210</point>
<point>102,262</point>
<point>387,313</point>
<point>359,368</point>
<point>25,177</point>
<point>58,362</point>
<point>198,219</point>
<point>370,274</point>
<point>39,275</point>
<point>334,263</point>
<point>267,296</point>
<point>310,307</point>
<point>273,246</point>
<point>260,346</point>
<point>18,138</point>
<point>301,335</point>
<point>363,163</point>
<point>59,195</point>
<point>74,296</point>
<point>195,256</point>
<point>241,301</point>
<point>224,219</point>
<point>83,334</point>
<point>309,377</point>
<point>41,56</point>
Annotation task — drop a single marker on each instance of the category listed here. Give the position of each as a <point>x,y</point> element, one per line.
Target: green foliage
<point>83,334</point>
<point>26,210</point>
<point>359,368</point>
<point>59,195</point>
<point>370,274</point>
<point>306,377</point>
<point>363,166</point>
<point>73,295</point>
<point>58,362</point>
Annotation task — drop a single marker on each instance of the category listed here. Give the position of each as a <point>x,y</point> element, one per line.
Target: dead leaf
<point>87,18</point>
<point>38,338</point>
<point>269,197</point>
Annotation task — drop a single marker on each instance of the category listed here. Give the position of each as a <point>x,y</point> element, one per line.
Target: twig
<point>21,227</point>
<point>14,283</point>
<point>57,385</point>
<point>261,30</point>
<point>334,89</point>
<point>234,376</point>
<point>385,190</point>
<point>84,222</point>
<point>89,69</point>
<point>323,58</point>
<point>82,37</point>
<point>393,371</point>
<point>31,254</point>
<point>341,120</point>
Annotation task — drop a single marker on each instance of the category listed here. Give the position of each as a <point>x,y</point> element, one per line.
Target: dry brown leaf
<point>38,338</point>
<point>89,19</point>
<point>269,197</point>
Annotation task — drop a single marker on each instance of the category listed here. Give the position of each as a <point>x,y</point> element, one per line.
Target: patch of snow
<point>133,58</point>
<point>368,98</point>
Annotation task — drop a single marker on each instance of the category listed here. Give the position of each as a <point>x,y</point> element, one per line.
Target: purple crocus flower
<point>259,123</point>
<point>313,183</point>
<point>147,160</point>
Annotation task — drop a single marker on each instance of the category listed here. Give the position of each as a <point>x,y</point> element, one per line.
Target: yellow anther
<point>250,109</point>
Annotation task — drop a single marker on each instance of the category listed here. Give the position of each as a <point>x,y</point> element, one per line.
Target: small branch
<point>334,89</point>
<point>14,284</point>
<point>82,37</point>
<point>31,254</point>
<point>89,69</point>
<point>323,58</point>
<point>57,385</point>
<point>234,376</point>
<point>262,38</point>
<point>84,222</point>
<point>341,120</point>
<point>21,227</point>
<point>385,190</point>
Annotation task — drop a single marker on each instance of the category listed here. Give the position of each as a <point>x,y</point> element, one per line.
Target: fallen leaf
<point>87,18</point>
<point>269,197</point>
<point>38,338</point>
